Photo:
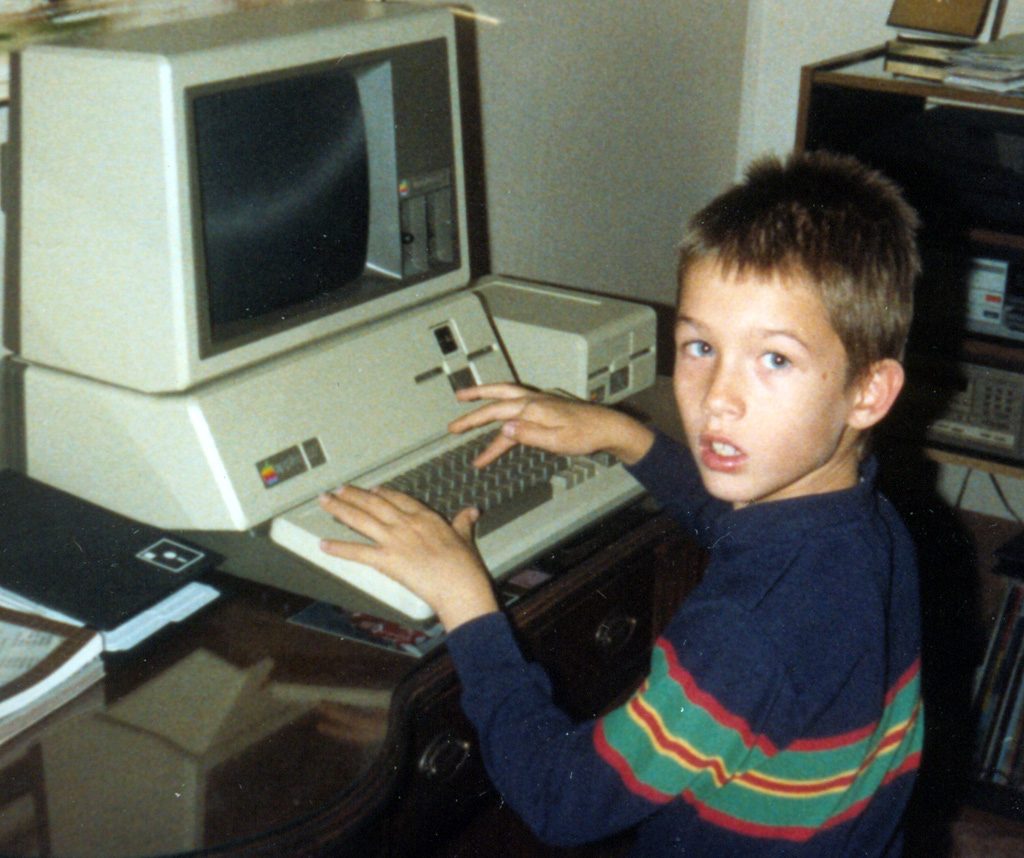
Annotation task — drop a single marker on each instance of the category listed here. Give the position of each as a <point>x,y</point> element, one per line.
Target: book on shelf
<point>43,665</point>
<point>966,19</point>
<point>75,562</point>
<point>992,705</point>
<point>1006,770</point>
<point>920,69</point>
<point>998,705</point>
<point>1000,742</point>
<point>927,59</point>
<point>925,50</point>
<point>935,34</point>
<point>985,693</point>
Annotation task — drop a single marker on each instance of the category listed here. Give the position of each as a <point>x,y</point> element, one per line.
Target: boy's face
<point>760,382</point>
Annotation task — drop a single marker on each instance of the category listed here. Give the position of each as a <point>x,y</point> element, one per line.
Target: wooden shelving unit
<point>851,104</point>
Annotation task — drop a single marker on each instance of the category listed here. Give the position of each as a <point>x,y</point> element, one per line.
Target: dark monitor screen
<point>284,200</point>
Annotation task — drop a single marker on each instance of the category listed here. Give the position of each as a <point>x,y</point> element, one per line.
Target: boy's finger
<point>380,502</point>
<point>497,448</point>
<point>401,501</point>
<point>354,509</point>
<point>469,421</point>
<point>358,552</point>
<point>464,521</point>
<point>490,413</point>
<point>501,390</point>
<point>532,435</point>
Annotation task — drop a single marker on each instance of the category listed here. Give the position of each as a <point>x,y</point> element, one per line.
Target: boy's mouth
<point>718,454</point>
<point>722,448</point>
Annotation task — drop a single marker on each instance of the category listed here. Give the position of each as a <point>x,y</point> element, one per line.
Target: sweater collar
<point>763,523</point>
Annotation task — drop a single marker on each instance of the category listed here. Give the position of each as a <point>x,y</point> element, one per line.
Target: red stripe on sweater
<point>625,771</point>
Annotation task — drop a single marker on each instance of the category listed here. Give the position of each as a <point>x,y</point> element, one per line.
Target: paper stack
<point>43,665</point>
<point>996,66</point>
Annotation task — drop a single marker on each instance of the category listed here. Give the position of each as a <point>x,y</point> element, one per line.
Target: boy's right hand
<point>557,424</point>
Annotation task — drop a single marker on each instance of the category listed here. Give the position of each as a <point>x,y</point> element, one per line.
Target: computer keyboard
<point>521,480</point>
<point>529,500</point>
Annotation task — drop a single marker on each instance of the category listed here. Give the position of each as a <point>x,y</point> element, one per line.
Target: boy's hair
<point>842,228</point>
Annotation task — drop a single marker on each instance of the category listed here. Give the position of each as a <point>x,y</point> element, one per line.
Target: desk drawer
<point>445,780</point>
<point>596,649</point>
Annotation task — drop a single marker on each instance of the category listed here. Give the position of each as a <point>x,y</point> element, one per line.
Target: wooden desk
<point>243,732</point>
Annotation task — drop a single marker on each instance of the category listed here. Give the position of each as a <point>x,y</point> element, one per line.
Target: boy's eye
<point>696,348</point>
<point>774,360</point>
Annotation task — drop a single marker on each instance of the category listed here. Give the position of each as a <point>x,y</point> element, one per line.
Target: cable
<point>1003,499</point>
<point>963,488</point>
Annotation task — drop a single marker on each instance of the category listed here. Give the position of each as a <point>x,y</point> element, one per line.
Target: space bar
<point>500,515</point>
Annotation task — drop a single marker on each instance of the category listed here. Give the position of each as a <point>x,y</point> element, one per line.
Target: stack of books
<point>925,59</point>
<point>933,33</point>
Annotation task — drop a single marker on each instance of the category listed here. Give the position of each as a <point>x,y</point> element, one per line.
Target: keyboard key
<point>522,503</point>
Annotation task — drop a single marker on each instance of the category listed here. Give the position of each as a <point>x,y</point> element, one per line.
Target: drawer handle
<point>443,757</point>
<point>615,633</point>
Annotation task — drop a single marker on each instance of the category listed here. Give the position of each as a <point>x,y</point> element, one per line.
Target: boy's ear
<point>876,391</point>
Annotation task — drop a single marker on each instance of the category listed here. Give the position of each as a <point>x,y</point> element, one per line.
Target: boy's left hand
<point>417,548</point>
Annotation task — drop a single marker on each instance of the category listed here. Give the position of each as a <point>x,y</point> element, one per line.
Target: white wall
<point>605,124</point>
<point>783,36</point>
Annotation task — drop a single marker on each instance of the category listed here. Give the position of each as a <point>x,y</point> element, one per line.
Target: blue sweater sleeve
<point>542,763</point>
<point>573,783</point>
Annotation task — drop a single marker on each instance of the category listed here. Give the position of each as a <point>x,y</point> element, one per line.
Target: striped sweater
<point>781,714</point>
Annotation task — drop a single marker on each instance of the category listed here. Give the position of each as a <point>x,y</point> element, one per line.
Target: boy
<point>781,714</point>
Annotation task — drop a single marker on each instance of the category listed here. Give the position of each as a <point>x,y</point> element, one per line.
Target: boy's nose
<point>723,397</point>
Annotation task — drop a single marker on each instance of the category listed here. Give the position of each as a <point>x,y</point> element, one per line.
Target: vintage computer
<point>238,276</point>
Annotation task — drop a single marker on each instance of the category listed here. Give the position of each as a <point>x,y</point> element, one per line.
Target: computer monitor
<point>192,198</point>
